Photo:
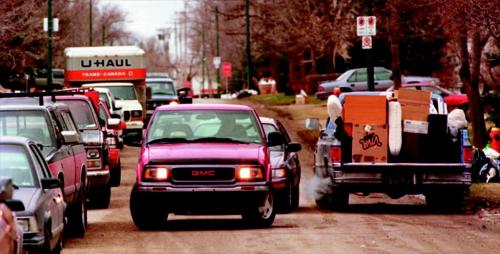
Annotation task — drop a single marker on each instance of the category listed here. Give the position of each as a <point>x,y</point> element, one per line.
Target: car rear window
<point>82,113</point>
<point>31,124</point>
<point>161,88</point>
<point>15,164</point>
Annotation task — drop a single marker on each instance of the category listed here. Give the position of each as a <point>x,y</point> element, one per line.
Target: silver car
<point>357,80</point>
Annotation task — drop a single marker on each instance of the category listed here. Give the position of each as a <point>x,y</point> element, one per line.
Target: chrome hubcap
<point>266,210</point>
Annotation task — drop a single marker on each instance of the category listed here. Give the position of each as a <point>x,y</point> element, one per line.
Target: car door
<point>358,80</point>
<point>53,198</point>
<point>77,149</point>
<point>291,158</point>
<point>383,79</point>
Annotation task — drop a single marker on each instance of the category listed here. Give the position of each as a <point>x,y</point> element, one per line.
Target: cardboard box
<point>369,143</point>
<point>415,104</point>
<point>300,99</point>
<point>365,109</point>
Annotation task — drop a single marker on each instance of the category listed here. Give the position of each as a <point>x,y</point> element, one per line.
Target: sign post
<point>227,72</point>
<point>366,27</point>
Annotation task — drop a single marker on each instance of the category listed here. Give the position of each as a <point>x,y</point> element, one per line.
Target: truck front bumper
<point>98,177</point>
<point>205,199</point>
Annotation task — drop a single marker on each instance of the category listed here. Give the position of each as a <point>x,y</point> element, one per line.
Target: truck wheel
<point>337,200</point>
<point>145,214</point>
<point>77,217</point>
<point>116,175</point>
<point>261,215</point>
<point>101,197</point>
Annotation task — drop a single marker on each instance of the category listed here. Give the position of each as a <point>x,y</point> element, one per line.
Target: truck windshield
<point>82,113</point>
<point>222,126</point>
<point>14,164</point>
<point>123,92</point>
<point>161,88</point>
<point>30,124</point>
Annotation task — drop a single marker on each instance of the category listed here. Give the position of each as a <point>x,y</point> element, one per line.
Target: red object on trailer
<point>495,139</point>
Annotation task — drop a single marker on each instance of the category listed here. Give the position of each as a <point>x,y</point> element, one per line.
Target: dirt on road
<point>373,224</point>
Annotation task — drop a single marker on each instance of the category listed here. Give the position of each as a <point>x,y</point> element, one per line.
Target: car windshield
<point>268,128</point>
<point>30,124</point>
<point>161,88</point>
<point>82,113</point>
<point>122,92</point>
<point>15,164</point>
<point>204,126</point>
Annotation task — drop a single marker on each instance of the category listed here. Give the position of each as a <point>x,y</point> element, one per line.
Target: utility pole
<point>202,57</point>
<point>369,61</point>
<point>90,22</point>
<point>49,45</point>
<point>217,42</point>
<point>248,49</point>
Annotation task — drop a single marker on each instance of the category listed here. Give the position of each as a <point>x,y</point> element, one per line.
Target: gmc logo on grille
<point>203,173</point>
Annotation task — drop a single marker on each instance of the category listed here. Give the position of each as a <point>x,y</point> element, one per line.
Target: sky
<point>145,17</point>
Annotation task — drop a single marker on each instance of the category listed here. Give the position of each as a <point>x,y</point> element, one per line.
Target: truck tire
<point>146,214</point>
<point>445,201</point>
<point>77,216</point>
<point>337,200</point>
<point>284,199</point>
<point>100,196</point>
<point>295,197</point>
<point>116,175</point>
<point>261,215</point>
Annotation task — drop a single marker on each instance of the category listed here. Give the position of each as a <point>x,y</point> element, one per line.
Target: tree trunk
<point>313,62</point>
<point>469,74</point>
<point>395,40</point>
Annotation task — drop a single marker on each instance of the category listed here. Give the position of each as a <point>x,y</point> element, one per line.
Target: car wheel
<point>285,199</point>
<point>261,215</point>
<point>337,200</point>
<point>100,197</point>
<point>77,217</point>
<point>116,175</point>
<point>146,214</point>
<point>295,197</point>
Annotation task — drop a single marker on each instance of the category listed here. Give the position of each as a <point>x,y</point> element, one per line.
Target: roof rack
<point>41,95</point>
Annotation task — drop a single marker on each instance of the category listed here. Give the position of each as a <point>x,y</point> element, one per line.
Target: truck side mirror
<point>293,147</point>
<point>70,137</point>
<point>114,123</point>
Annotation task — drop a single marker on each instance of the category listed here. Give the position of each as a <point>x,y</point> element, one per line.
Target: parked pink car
<point>211,159</point>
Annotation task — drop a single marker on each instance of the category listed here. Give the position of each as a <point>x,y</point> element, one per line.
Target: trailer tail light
<point>335,154</point>
<point>467,154</point>
<point>321,88</point>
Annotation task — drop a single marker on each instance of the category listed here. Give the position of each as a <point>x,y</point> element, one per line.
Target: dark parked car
<point>286,166</point>
<point>199,158</point>
<point>52,127</point>
<point>42,220</point>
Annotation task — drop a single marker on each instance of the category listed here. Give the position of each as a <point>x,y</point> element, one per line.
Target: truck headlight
<point>28,224</point>
<point>248,173</point>
<point>156,174</point>
<point>93,154</point>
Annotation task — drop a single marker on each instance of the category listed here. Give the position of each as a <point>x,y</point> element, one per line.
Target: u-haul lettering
<point>99,63</point>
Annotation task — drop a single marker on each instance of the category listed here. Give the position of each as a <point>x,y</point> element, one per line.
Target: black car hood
<point>26,195</point>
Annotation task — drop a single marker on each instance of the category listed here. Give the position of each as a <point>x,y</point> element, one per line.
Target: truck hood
<point>92,137</point>
<point>26,195</point>
<point>206,153</point>
<point>128,104</point>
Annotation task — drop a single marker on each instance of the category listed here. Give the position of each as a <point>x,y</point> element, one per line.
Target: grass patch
<point>485,192</point>
<point>282,99</point>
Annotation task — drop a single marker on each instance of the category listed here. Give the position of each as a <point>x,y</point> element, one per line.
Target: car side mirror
<point>51,183</point>
<point>132,139</point>
<point>70,137</point>
<point>293,147</point>
<point>275,138</point>
<point>114,123</point>
<point>15,205</point>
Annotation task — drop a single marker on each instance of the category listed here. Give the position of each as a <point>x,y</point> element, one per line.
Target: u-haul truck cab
<point>122,70</point>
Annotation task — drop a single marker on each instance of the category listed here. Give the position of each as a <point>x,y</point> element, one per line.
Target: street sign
<point>366,25</point>
<point>371,25</point>
<point>227,71</point>
<point>217,61</point>
<point>366,42</point>
<point>360,26</point>
<point>55,24</point>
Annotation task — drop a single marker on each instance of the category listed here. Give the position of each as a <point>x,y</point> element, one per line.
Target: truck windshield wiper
<point>168,141</point>
<point>222,140</point>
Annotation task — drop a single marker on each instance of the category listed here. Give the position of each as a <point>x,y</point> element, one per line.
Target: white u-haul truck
<point>122,70</point>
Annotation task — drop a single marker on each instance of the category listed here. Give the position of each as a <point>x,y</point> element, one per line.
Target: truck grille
<point>198,175</point>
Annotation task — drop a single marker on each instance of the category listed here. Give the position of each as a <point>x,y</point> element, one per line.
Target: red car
<point>208,159</point>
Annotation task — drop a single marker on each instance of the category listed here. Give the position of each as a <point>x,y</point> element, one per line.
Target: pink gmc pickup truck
<point>204,159</point>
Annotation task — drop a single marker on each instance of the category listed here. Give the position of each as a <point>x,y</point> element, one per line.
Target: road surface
<point>373,224</point>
